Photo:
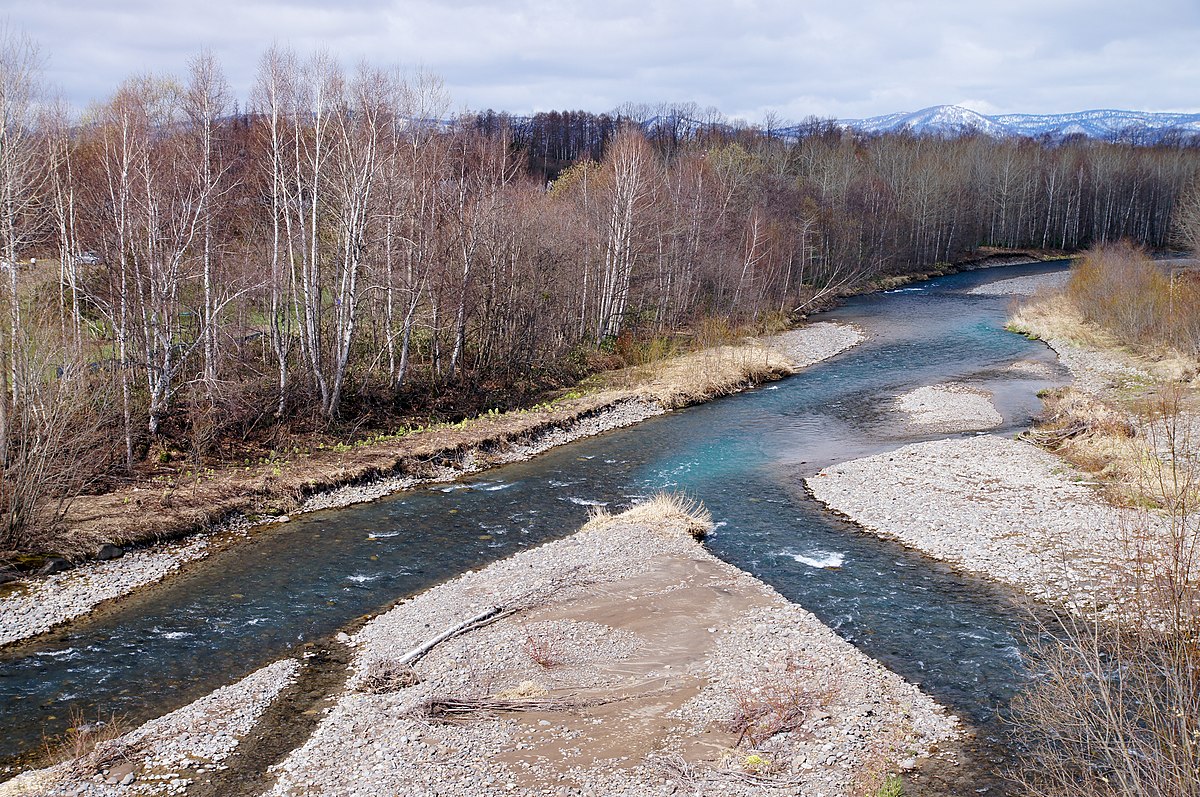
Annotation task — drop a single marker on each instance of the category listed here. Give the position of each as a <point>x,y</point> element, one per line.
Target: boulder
<point>110,551</point>
<point>54,565</point>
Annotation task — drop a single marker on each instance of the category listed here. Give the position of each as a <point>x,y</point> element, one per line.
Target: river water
<point>743,456</point>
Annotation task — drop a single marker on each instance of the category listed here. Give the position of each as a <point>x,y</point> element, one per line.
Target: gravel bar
<point>633,655</point>
<point>951,407</point>
<point>1003,509</point>
<point>1024,286</point>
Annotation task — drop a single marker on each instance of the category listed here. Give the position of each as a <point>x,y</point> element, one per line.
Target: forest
<point>338,251</point>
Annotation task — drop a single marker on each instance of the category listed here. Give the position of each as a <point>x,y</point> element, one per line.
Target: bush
<point>1119,288</point>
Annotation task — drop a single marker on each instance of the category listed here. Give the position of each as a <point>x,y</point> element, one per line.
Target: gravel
<point>657,641</point>
<point>951,407</point>
<point>1024,286</point>
<point>163,756</point>
<point>1000,508</point>
<point>816,342</point>
<point>1095,371</point>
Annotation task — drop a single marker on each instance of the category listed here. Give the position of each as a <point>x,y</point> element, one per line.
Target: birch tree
<point>22,179</point>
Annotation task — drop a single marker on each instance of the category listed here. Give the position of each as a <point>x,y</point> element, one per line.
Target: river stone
<point>54,565</point>
<point>7,576</point>
<point>110,551</point>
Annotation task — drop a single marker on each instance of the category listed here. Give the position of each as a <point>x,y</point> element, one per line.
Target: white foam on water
<point>818,559</point>
<point>360,578</point>
<point>586,501</point>
<point>383,536</point>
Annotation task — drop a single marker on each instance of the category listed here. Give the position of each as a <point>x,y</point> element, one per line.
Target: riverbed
<point>956,636</point>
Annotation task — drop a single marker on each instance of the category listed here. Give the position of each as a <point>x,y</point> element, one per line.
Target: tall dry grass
<point>1114,707</point>
<point>1140,302</point>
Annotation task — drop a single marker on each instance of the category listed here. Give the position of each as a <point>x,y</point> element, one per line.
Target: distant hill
<point>1107,124</point>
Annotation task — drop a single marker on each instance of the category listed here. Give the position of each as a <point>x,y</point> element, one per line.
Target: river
<point>743,456</point>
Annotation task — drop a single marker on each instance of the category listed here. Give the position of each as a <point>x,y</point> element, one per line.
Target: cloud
<point>847,58</point>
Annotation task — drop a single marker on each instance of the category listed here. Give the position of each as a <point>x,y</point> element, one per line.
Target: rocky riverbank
<point>166,755</point>
<point>624,660</point>
<point>36,604</point>
<point>1000,508</point>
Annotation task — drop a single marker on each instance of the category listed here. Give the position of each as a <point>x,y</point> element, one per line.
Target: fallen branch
<point>455,707</point>
<point>533,597</point>
<point>486,617</point>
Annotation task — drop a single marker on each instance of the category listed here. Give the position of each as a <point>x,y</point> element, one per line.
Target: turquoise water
<point>744,457</point>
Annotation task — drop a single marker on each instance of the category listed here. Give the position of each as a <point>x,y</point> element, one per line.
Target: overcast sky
<point>842,58</point>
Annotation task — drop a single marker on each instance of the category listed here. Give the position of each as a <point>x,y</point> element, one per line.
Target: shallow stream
<point>744,457</point>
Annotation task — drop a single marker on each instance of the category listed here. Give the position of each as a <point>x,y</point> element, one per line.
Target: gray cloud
<point>843,58</point>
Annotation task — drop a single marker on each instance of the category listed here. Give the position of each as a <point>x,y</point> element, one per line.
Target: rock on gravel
<point>1000,508</point>
<point>633,654</point>
<point>1024,286</point>
<point>165,755</point>
<point>950,408</point>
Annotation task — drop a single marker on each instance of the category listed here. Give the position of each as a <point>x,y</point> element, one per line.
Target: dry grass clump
<point>1053,315</point>
<point>387,675</point>
<point>658,511</point>
<point>91,747</point>
<point>1094,436</point>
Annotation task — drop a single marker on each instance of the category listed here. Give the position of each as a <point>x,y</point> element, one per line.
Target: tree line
<point>342,250</point>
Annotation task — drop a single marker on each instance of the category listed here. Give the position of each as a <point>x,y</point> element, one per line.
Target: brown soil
<point>671,611</point>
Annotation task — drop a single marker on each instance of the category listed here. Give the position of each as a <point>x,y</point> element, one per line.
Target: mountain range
<point>954,119</point>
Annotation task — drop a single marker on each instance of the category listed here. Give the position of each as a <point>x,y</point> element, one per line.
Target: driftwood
<point>449,708</point>
<point>485,617</point>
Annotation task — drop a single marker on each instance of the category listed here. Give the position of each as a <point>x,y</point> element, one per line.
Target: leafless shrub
<point>386,675</point>
<point>1114,708</point>
<point>778,706</point>
<point>1120,289</point>
<point>56,447</point>
<point>542,649</point>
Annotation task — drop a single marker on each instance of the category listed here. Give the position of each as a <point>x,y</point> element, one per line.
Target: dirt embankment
<point>625,659</point>
<point>235,498</point>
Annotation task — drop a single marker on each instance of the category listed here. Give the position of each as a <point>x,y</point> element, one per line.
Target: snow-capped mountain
<point>952,119</point>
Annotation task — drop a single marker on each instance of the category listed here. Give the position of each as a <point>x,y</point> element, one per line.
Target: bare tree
<point>21,182</point>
